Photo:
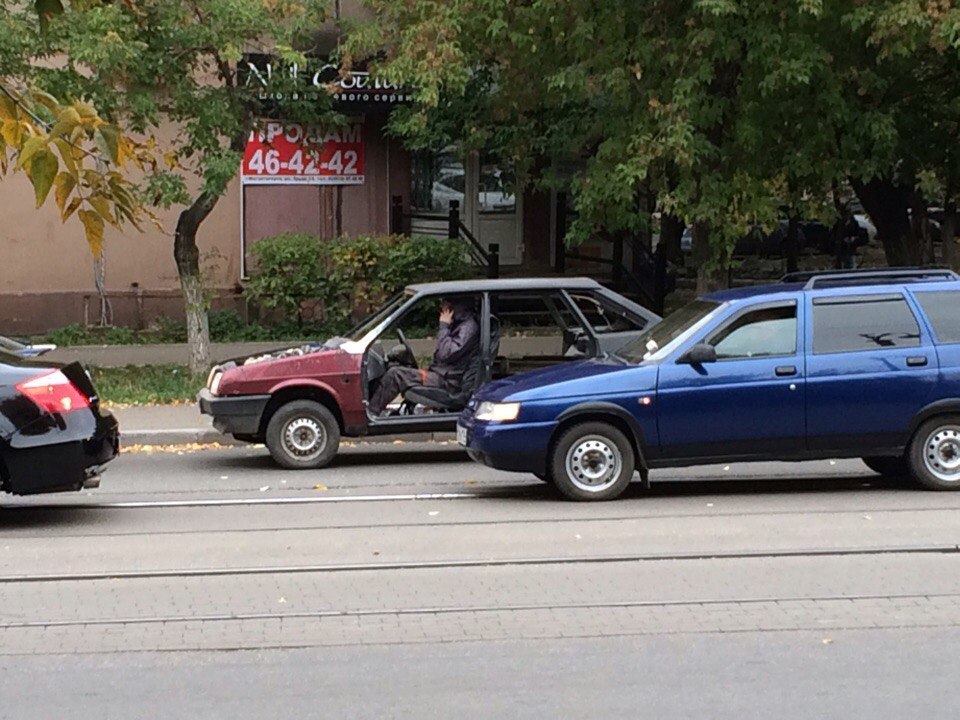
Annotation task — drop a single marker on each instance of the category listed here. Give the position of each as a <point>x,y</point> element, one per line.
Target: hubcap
<point>942,453</point>
<point>594,463</point>
<point>304,438</point>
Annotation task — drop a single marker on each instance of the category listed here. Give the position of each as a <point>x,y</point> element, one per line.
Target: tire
<point>592,461</point>
<point>306,425</point>
<point>891,466</point>
<point>934,454</point>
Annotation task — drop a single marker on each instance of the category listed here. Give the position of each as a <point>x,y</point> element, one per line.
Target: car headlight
<point>498,412</point>
<point>215,383</point>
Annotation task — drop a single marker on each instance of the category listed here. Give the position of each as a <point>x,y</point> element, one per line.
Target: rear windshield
<point>943,311</point>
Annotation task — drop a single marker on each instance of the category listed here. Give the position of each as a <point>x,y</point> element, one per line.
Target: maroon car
<point>301,400</point>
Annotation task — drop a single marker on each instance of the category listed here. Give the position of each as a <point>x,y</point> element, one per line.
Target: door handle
<point>786,370</point>
<point>917,361</point>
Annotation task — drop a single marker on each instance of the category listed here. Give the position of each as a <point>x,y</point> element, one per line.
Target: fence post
<point>396,215</point>
<point>493,269</point>
<point>453,230</point>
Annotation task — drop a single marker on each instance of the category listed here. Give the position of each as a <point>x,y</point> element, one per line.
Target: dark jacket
<point>458,345</point>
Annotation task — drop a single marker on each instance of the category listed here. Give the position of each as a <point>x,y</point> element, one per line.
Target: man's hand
<point>446,315</point>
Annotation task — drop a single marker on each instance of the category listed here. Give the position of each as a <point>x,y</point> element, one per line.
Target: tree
<point>725,111</point>
<point>144,64</point>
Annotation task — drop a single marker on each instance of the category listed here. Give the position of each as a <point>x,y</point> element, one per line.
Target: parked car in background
<point>24,348</point>
<point>822,365</point>
<point>54,436</point>
<point>300,401</point>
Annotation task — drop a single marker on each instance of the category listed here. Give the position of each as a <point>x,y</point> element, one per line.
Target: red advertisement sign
<point>294,154</point>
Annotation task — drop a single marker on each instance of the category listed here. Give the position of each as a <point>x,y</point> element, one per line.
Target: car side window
<point>855,323</point>
<point>537,329</point>
<point>943,311</point>
<point>765,332</point>
<point>604,316</point>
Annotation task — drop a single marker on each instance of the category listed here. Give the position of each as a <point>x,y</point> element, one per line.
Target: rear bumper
<point>234,415</point>
<point>63,466</point>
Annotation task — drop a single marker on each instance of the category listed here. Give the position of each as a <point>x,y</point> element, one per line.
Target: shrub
<point>347,276</point>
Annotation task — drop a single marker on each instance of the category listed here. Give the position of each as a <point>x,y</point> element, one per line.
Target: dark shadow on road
<point>352,458</point>
<point>19,517</point>
<point>720,487</point>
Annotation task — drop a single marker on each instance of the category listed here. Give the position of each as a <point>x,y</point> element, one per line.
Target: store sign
<point>286,154</point>
<point>357,89</point>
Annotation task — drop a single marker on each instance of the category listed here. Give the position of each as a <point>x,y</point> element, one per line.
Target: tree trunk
<point>671,235</point>
<point>187,255</point>
<point>887,205</point>
<point>922,237</point>
<point>948,233</point>
<point>792,244</point>
<point>710,277</point>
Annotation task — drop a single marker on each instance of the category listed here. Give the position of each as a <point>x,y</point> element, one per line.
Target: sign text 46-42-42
<point>294,154</point>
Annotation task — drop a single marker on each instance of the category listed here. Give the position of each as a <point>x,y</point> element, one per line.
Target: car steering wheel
<point>403,341</point>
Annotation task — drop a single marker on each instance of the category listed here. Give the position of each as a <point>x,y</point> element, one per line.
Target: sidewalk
<point>183,424</point>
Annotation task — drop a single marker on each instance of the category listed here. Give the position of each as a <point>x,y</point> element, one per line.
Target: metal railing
<point>487,258</point>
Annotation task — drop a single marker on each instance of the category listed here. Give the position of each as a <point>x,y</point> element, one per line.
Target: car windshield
<point>665,332</point>
<point>368,324</point>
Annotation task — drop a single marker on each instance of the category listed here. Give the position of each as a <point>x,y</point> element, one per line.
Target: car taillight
<point>54,393</point>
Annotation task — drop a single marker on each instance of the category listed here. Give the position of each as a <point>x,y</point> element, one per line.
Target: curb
<point>208,436</point>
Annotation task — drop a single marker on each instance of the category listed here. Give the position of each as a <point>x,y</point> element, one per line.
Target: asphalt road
<point>405,581</point>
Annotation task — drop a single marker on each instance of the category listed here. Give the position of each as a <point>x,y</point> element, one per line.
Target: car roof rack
<point>812,279</point>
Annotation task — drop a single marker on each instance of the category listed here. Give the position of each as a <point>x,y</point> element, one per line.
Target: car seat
<point>444,400</point>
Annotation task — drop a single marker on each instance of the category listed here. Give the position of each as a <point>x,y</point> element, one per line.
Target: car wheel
<point>894,467</point>
<point>592,461</point>
<point>934,455</point>
<point>303,434</point>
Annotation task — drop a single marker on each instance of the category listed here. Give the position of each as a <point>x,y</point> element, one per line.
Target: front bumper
<point>514,447</point>
<point>233,414</point>
<point>63,466</point>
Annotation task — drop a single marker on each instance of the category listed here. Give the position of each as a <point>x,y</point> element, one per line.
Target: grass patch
<point>146,385</point>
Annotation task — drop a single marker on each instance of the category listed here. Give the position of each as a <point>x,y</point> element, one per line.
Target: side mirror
<point>699,354</point>
<point>584,345</point>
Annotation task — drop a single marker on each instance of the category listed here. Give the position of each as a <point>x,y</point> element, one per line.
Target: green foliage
<point>146,385</point>
<point>721,112</point>
<point>346,277</point>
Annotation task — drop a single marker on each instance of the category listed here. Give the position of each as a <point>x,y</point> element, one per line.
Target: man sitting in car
<point>458,342</point>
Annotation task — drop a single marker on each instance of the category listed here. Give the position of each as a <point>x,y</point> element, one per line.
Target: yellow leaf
<point>8,108</point>
<point>31,147</point>
<point>93,225</point>
<point>111,142</point>
<point>66,152</point>
<point>171,159</point>
<point>71,208</point>
<point>64,184</point>
<point>102,205</point>
<point>43,169</point>
<point>319,486</point>
<point>68,120</point>
<point>85,110</point>
<point>12,131</point>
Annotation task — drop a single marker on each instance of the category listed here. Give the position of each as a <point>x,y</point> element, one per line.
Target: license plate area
<point>461,435</point>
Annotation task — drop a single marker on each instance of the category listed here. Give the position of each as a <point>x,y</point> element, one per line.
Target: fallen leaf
<point>827,641</point>
<point>282,600</point>
<point>709,504</point>
<point>319,486</point>
<point>224,477</point>
<point>471,481</point>
<point>398,442</point>
<point>726,468</point>
<point>264,488</point>
<point>433,512</point>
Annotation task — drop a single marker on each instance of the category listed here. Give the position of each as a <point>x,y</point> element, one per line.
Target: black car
<point>53,434</point>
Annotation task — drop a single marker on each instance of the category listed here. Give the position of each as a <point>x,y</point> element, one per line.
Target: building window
<point>437,177</point>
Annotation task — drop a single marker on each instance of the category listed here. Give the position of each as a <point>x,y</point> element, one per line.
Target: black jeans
<point>397,380</point>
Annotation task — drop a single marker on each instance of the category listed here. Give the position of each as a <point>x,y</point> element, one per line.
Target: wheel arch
<point>288,393</point>
<point>950,406</point>
<point>605,412</point>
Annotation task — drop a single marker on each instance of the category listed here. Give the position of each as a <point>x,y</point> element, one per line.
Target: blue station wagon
<point>834,364</point>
